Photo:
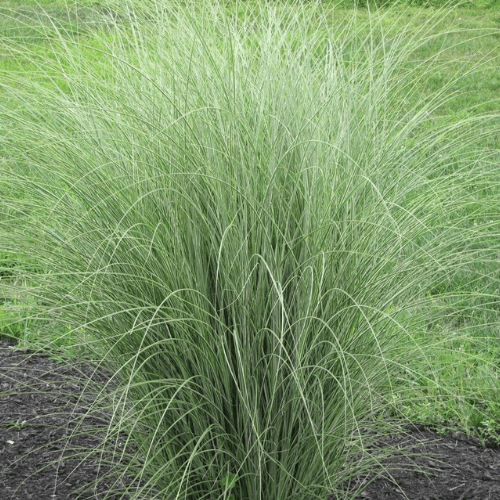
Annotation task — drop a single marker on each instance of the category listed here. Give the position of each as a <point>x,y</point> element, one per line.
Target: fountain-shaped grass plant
<point>239,212</point>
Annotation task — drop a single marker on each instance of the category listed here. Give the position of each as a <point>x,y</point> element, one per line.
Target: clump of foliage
<point>243,219</point>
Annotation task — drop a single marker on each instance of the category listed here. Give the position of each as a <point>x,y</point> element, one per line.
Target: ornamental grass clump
<point>238,213</point>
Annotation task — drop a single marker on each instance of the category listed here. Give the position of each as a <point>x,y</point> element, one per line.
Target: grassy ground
<point>457,54</point>
<point>457,383</point>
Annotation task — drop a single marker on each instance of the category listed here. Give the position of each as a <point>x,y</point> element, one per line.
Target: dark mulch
<point>46,400</point>
<point>42,404</point>
<point>453,467</point>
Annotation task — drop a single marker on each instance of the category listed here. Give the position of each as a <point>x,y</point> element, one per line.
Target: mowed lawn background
<point>125,126</point>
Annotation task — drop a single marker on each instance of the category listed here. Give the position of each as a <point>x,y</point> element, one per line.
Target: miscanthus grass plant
<point>237,213</point>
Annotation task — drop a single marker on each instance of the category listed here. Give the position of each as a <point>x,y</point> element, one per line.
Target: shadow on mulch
<point>42,402</point>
